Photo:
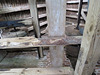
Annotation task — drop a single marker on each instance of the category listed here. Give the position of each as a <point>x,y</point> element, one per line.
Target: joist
<point>39,71</point>
<point>90,47</point>
<point>18,8</point>
<point>30,42</point>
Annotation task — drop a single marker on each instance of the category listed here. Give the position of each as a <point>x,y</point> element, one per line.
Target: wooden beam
<point>39,71</point>
<point>35,22</point>
<point>56,16</point>
<point>90,48</point>
<point>18,8</point>
<point>30,42</point>
<point>75,10</point>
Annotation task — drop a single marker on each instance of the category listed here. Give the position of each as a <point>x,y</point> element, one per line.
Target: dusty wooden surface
<point>30,42</point>
<point>56,17</point>
<point>90,48</point>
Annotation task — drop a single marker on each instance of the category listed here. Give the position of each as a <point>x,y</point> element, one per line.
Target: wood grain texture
<point>56,16</point>
<point>30,42</point>
<point>90,48</point>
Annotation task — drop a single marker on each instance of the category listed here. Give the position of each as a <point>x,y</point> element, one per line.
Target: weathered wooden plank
<point>56,16</point>
<point>18,8</point>
<point>76,2</point>
<point>75,10</point>
<point>90,48</point>
<point>28,42</point>
<point>39,71</point>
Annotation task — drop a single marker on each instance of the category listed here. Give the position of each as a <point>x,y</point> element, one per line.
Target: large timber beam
<point>35,21</point>
<point>56,16</point>
<point>90,48</point>
<point>30,42</point>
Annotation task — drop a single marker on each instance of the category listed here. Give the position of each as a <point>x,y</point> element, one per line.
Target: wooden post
<point>90,48</point>
<point>35,22</point>
<point>56,16</point>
